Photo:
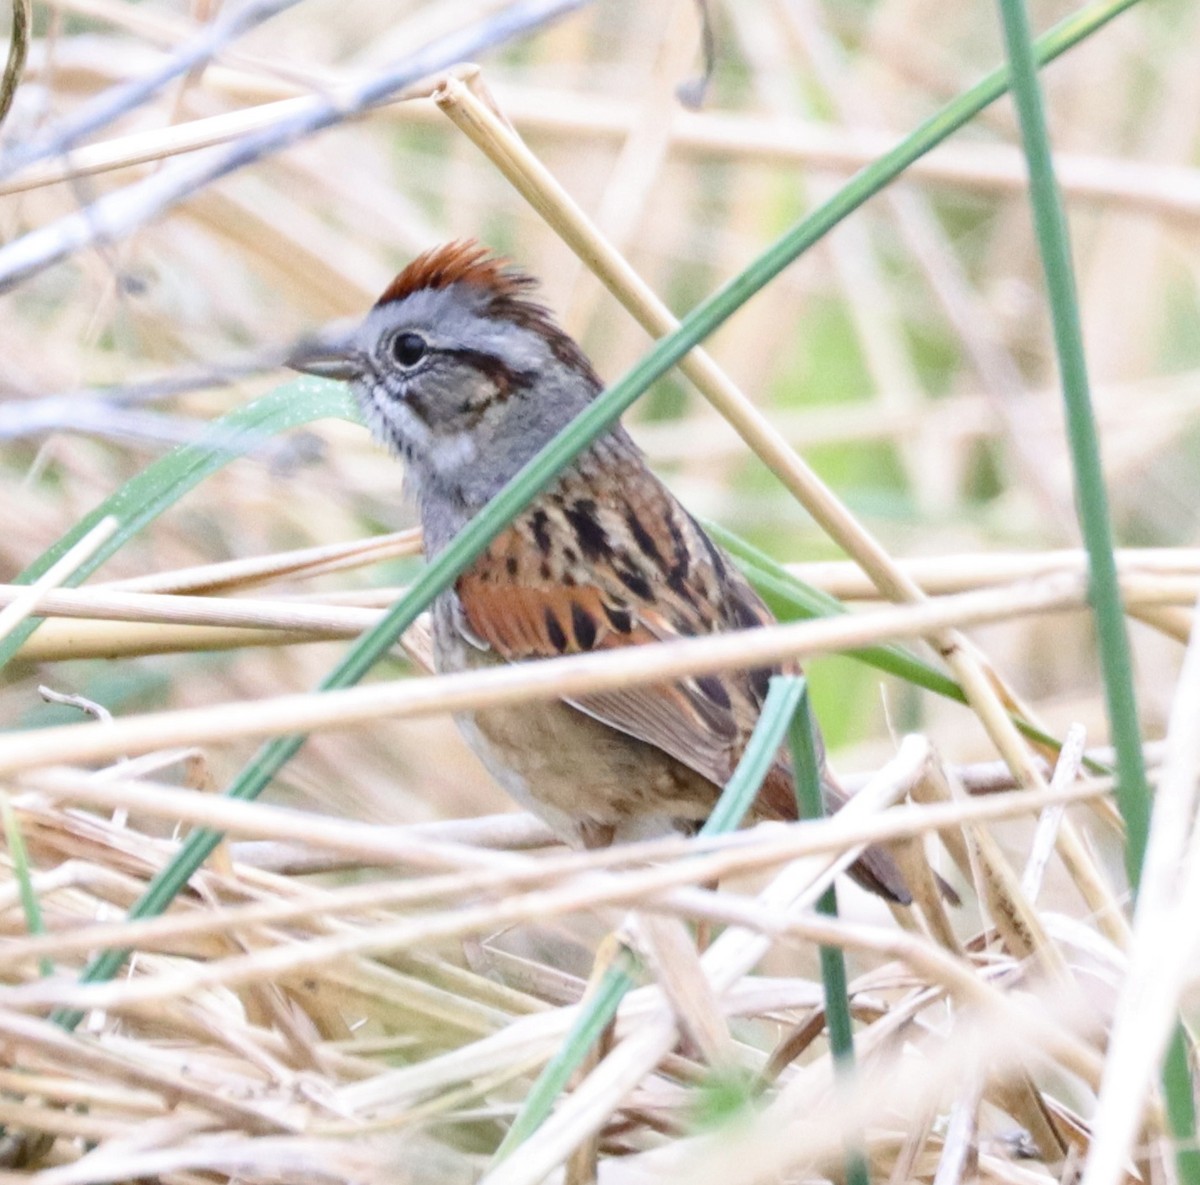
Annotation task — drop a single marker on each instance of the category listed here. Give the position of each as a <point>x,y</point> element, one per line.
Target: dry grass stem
<point>1162,957</point>
<point>711,859</point>
<point>23,601</point>
<point>303,564</point>
<point>723,960</point>
<point>940,575</point>
<point>530,681</point>
<point>347,616</point>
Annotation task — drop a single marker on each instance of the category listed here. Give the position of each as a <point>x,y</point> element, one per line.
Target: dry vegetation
<point>364,981</point>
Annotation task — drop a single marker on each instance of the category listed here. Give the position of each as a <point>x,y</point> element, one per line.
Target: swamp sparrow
<point>467,378</point>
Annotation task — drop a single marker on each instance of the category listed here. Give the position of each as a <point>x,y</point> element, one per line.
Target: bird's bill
<point>330,354</point>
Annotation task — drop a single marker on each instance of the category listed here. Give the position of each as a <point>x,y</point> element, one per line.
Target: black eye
<point>409,348</point>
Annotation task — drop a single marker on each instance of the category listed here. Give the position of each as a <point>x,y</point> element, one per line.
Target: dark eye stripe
<point>506,379</point>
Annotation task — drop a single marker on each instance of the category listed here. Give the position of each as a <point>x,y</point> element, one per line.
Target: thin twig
<point>18,50</point>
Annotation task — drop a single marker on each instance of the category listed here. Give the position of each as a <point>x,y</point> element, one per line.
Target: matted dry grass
<point>365,980</point>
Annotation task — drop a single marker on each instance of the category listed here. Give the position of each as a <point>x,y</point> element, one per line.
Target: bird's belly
<point>591,783</point>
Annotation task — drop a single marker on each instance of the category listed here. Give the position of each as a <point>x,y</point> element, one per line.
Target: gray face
<point>466,398</point>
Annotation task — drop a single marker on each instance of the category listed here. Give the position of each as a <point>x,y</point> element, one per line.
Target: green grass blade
<point>158,487</point>
<point>1091,494</point>
<point>159,894</point>
<point>1091,497</point>
<point>759,755</point>
<point>1178,1093</point>
<point>23,876</point>
<point>810,804</point>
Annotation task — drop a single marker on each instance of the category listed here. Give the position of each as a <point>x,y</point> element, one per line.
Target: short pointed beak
<point>330,354</point>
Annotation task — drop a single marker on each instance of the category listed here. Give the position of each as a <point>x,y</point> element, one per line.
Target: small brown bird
<point>467,377</point>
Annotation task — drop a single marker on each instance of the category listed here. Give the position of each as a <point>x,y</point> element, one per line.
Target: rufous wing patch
<point>521,614</point>
<point>521,622</point>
